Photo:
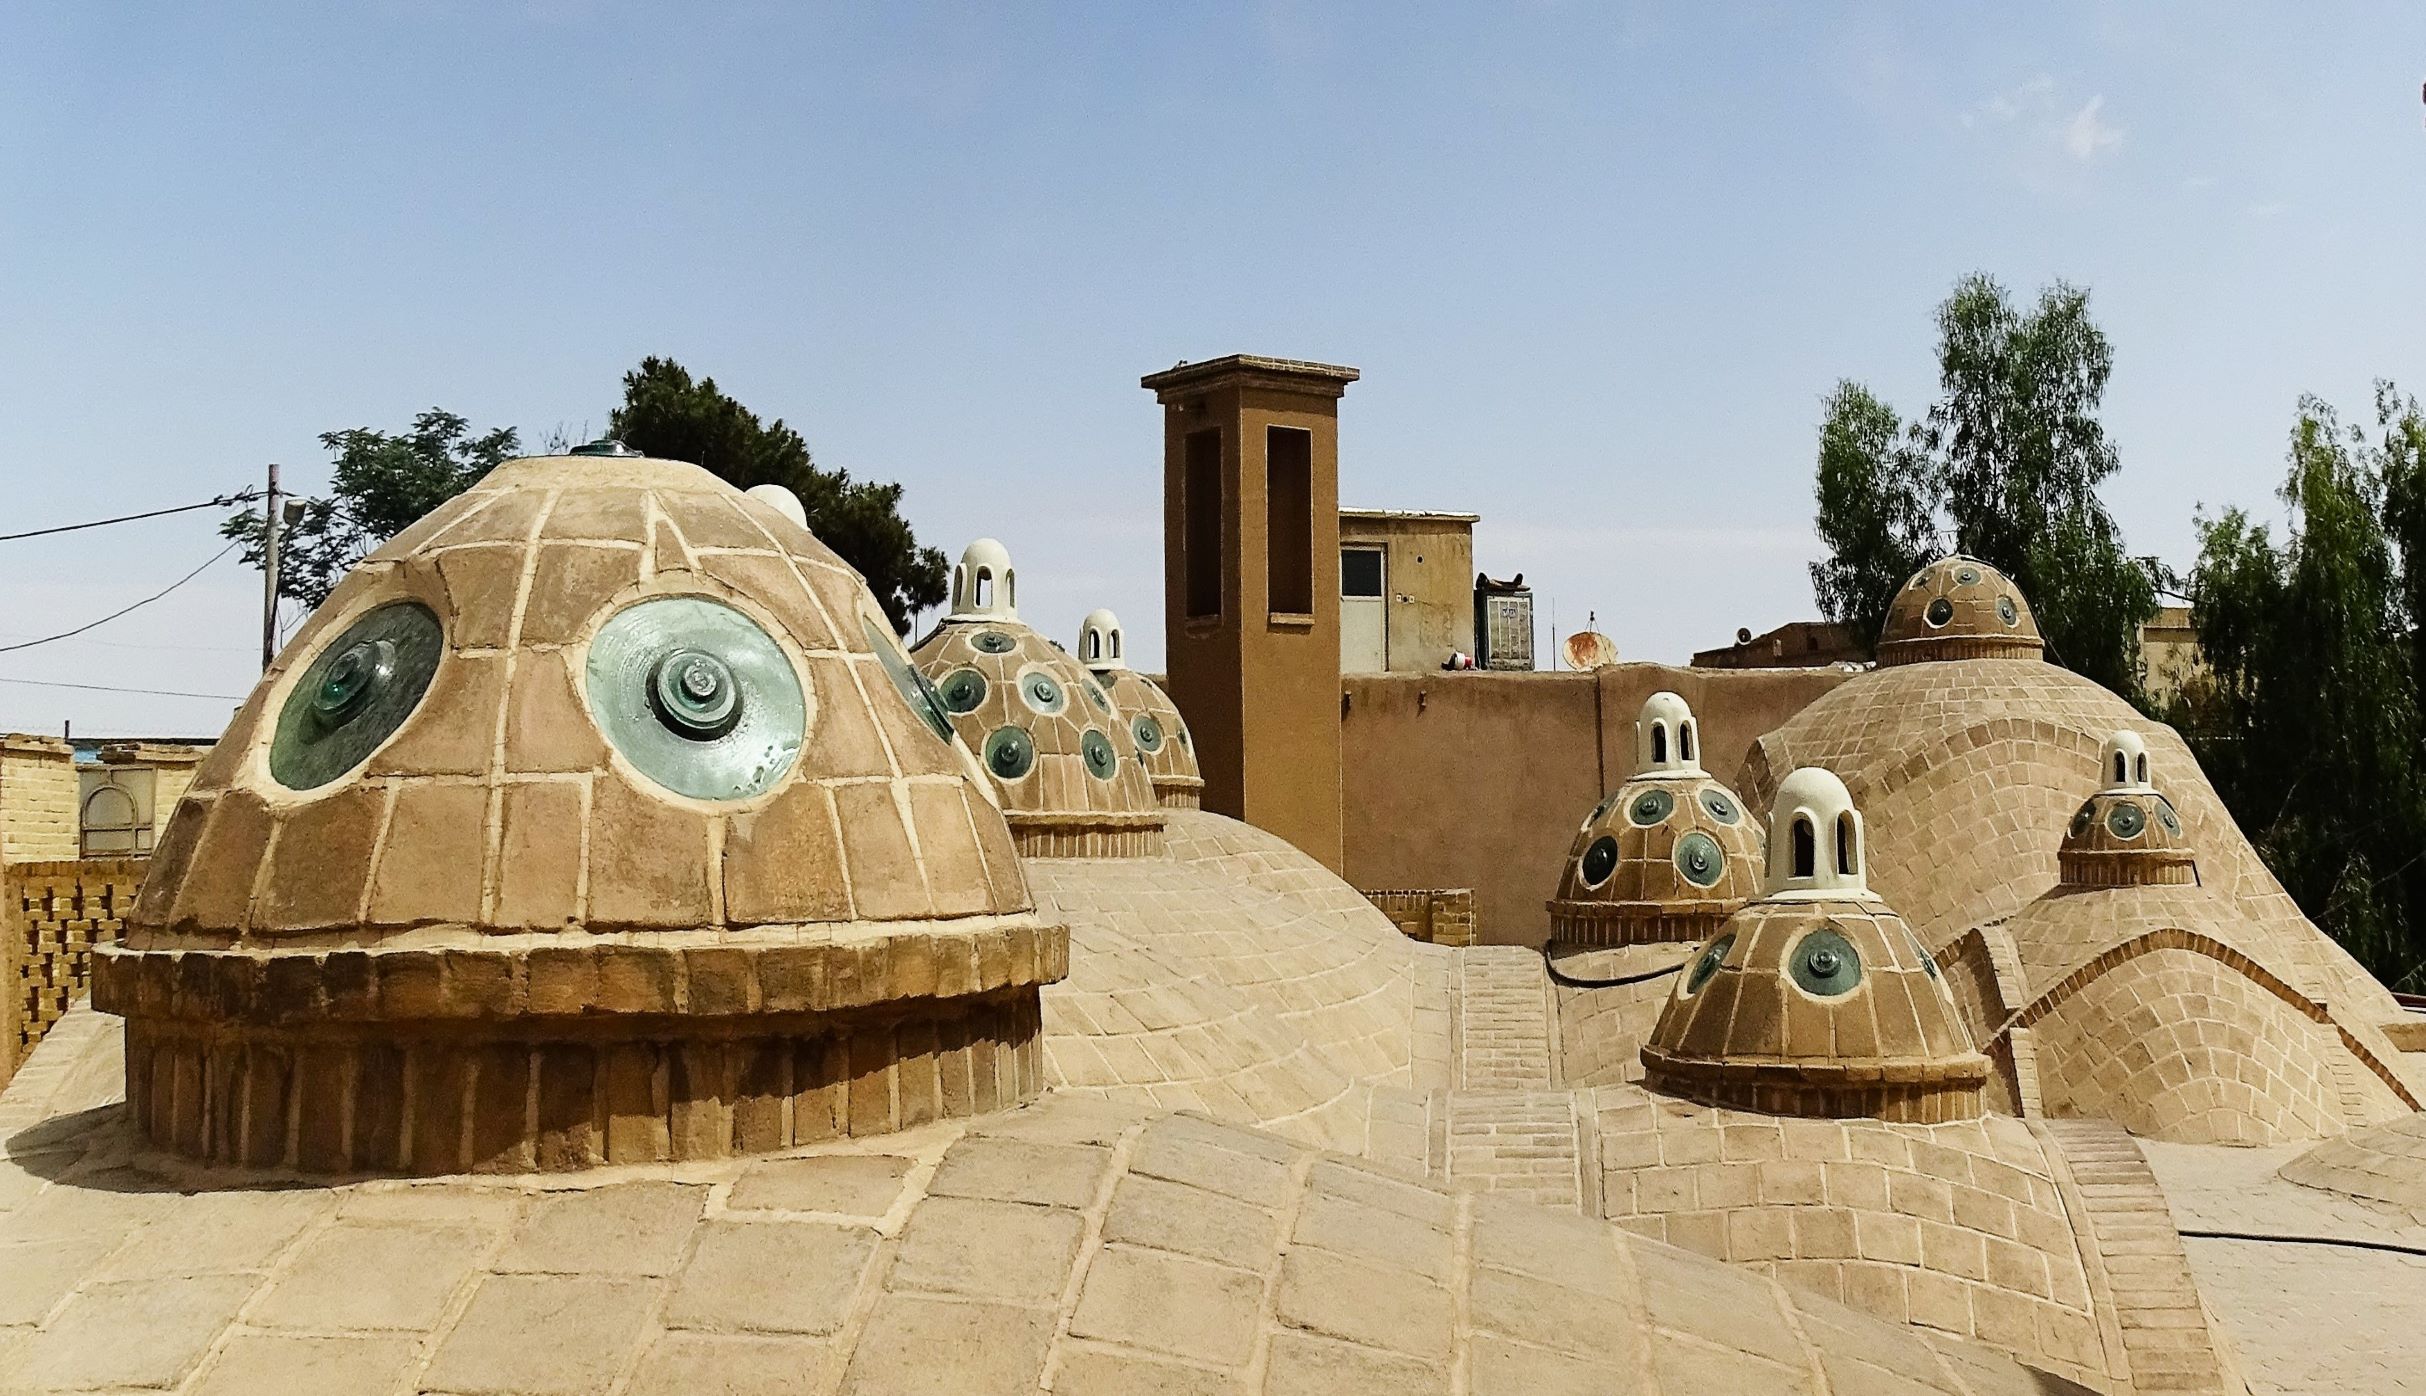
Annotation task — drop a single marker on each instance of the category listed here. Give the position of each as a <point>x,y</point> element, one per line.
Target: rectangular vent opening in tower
<point>1200,502</point>
<point>1289,519</point>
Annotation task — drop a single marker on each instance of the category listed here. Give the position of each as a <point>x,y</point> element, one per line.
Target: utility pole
<point>269,571</point>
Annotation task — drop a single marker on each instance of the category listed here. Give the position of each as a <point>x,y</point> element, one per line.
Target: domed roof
<point>1958,608</point>
<point>537,754</point>
<point>1969,771</point>
<point>1664,857</point>
<point>1063,759</point>
<point>1155,725</point>
<point>2126,833</point>
<point>1817,999</point>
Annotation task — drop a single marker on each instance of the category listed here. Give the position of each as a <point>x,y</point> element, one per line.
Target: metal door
<point>1364,616</point>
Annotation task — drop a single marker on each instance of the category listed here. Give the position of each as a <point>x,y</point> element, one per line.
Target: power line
<point>146,601</point>
<point>222,502</point>
<point>110,688</point>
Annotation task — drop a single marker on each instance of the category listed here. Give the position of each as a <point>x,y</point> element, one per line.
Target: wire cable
<point>146,601</point>
<point>1560,976</point>
<point>112,688</point>
<point>222,502</point>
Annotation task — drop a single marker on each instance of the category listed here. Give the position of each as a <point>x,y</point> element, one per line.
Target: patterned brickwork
<point>1662,857</point>
<point>1237,976</point>
<point>1171,759</point>
<point>2188,1008</point>
<point>2175,1046</point>
<point>1957,608</point>
<point>1602,1028</point>
<point>1958,1227</point>
<point>38,815</point>
<point>2167,1341</point>
<point>1968,773</point>
<point>1741,1029</point>
<point>1503,1019</point>
<point>1074,784</point>
<point>1441,916</point>
<point>474,898</point>
<point>1072,1246</point>
<point>54,914</point>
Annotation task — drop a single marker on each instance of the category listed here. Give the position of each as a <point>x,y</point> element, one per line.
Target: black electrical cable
<point>2282,1239</point>
<point>146,601</point>
<point>222,502</point>
<point>1559,976</point>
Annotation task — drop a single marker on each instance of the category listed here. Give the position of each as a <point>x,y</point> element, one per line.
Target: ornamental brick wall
<point>1433,915</point>
<point>37,799</point>
<point>54,913</point>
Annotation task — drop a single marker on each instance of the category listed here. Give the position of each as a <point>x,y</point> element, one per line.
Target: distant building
<point>2169,654</point>
<point>1798,644</point>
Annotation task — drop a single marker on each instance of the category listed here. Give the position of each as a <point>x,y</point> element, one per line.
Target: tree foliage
<point>381,483</point>
<point>666,412</point>
<point>2308,719</point>
<point>2005,466</point>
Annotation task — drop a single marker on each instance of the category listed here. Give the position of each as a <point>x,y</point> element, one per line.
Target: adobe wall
<point>1479,779</point>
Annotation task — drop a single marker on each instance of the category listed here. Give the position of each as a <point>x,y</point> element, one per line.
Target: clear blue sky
<point>1599,264</point>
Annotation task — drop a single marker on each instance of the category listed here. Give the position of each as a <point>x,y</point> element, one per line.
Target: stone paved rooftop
<point>1075,1246</point>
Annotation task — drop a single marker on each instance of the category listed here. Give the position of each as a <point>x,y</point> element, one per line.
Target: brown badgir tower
<point>1251,585</point>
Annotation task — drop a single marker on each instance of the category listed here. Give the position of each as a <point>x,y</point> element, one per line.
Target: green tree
<point>2308,722</point>
<point>2005,466</point>
<point>381,484</point>
<point>1876,514</point>
<point>667,413</point>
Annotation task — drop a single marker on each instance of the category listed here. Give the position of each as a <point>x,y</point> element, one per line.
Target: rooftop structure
<point>1155,725</point>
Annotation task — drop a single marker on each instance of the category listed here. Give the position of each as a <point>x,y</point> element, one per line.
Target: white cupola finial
<point>1101,645</point>
<point>1667,738</point>
<point>983,586</point>
<point>781,500</point>
<point>1815,840</point>
<point>2123,762</point>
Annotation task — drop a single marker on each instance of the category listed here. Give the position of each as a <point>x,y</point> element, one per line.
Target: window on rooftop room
<point>1806,848</point>
<point>1200,498</point>
<point>1360,572</point>
<point>1684,741</point>
<point>1289,520</point>
<point>1659,742</point>
<point>1845,863</point>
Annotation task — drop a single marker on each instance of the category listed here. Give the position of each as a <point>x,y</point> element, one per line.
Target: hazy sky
<point>1598,264</point>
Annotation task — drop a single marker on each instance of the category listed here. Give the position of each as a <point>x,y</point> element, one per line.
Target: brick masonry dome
<point>1064,763</point>
<point>1666,856</point>
<point>1817,999</point>
<point>602,787</point>
<point>1958,608</point>
<point>1161,734</point>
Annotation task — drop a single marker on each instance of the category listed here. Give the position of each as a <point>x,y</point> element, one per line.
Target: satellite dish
<point>1589,649</point>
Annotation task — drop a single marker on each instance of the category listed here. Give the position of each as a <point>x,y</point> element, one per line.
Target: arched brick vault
<point>2250,1028</point>
<point>1968,771</point>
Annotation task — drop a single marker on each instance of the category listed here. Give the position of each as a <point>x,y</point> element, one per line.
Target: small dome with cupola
<point>1666,856</point>
<point>1154,722</point>
<point>2127,833</point>
<point>1958,608</point>
<point>1062,756</point>
<point>1816,999</point>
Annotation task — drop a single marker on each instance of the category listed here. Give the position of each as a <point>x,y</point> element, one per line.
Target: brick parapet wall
<point>1434,915</point>
<point>37,799</point>
<point>54,913</point>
